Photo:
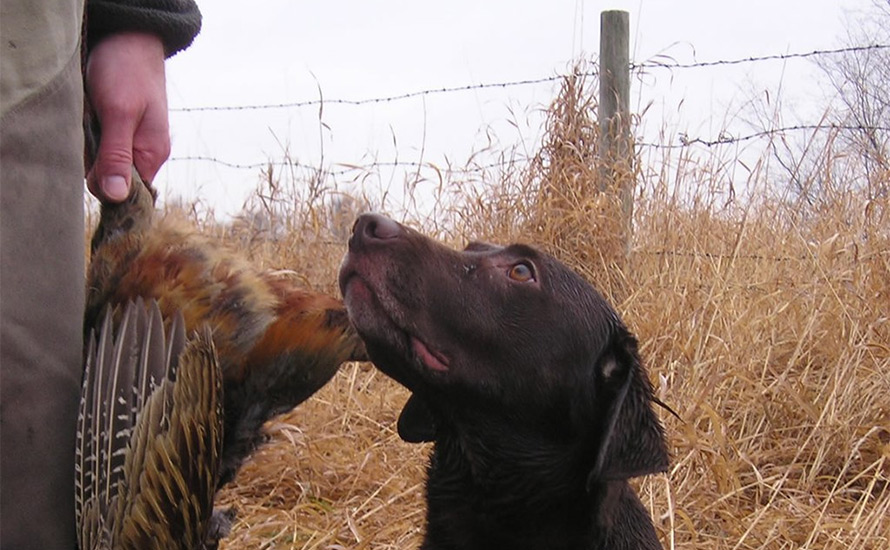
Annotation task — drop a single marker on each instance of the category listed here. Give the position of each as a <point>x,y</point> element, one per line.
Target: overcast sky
<point>286,51</point>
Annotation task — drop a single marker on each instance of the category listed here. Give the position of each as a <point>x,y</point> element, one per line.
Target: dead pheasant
<point>149,434</point>
<point>277,344</point>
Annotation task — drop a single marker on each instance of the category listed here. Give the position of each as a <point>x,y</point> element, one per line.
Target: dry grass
<point>765,322</point>
<point>336,474</point>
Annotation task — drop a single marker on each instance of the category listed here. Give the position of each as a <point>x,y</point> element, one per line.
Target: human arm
<point>127,43</point>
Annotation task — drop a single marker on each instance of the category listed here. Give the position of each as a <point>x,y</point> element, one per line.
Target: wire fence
<point>775,57</point>
<point>728,139</point>
<point>683,140</point>
<point>526,82</point>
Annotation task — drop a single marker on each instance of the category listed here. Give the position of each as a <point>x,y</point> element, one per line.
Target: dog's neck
<point>528,480</point>
<point>522,454</point>
<point>507,481</point>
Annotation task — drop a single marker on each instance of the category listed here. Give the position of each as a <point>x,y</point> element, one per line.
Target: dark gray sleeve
<point>175,22</point>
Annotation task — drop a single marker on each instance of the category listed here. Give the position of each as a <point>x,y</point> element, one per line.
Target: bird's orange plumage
<point>276,343</point>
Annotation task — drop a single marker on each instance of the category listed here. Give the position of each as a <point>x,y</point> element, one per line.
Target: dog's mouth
<point>374,316</point>
<point>433,359</point>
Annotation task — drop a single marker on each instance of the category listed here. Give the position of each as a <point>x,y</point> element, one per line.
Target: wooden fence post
<point>614,116</point>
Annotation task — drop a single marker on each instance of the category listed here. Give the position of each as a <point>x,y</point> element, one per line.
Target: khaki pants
<point>41,271</point>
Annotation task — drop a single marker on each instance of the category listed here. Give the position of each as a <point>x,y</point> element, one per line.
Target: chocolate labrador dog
<point>526,380</point>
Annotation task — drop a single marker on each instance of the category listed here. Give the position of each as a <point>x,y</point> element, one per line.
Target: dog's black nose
<point>374,227</point>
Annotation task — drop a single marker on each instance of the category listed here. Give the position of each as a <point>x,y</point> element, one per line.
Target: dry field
<point>764,321</point>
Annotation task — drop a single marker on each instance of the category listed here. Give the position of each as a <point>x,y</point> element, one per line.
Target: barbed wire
<point>342,168</point>
<point>724,138</point>
<point>774,57</point>
<point>368,101</point>
<point>514,83</point>
<point>292,164</point>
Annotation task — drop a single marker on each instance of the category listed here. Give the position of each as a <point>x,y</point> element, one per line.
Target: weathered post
<point>617,174</point>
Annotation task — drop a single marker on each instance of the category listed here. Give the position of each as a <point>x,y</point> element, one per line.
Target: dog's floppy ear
<point>632,440</point>
<point>417,423</point>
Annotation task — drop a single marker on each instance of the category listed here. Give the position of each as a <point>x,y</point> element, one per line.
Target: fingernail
<point>115,188</point>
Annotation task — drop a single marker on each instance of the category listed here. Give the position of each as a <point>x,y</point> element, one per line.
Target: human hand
<point>126,85</point>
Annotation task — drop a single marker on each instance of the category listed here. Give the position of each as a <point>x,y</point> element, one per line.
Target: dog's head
<point>509,329</point>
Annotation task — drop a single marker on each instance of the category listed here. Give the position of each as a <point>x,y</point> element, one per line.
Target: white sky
<point>283,51</point>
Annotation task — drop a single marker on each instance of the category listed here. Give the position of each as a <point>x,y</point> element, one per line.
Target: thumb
<point>110,175</point>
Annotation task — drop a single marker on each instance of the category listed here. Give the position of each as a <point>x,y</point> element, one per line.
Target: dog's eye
<point>522,273</point>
